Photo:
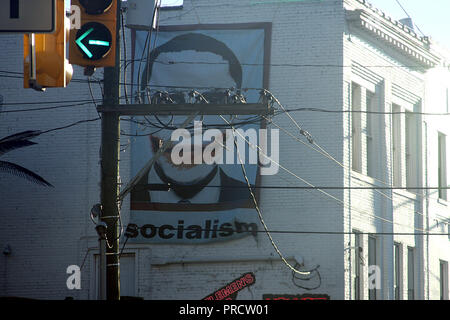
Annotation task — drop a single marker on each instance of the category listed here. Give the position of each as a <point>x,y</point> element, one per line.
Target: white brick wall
<point>51,229</point>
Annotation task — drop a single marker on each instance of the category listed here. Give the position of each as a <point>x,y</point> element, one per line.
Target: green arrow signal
<point>81,45</point>
<point>99,43</point>
<point>91,42</point>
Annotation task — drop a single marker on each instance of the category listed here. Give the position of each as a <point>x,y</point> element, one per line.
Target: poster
<point>206,202</point>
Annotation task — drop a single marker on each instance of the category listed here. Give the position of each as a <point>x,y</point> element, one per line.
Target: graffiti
<point>230,291</point>
<point>296,297</point>
<point>307,279</point>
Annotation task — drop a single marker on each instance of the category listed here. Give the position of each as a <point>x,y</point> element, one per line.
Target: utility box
<point>142,14</point>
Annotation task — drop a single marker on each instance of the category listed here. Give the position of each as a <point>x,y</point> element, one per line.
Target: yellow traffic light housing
<point>45,63</point>
<point>94,44</point>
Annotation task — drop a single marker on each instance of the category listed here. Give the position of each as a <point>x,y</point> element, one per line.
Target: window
<point>365,127</point>
<point>370,138</point>
<point>411,274</point>
<point>372,263</point>
<point>397,271</point>
<point>443,279</point>
<point>446,100</point>
<point>442,166</point>
<point>396,145</point>
<point>171,3</point>
<point>127,275</point>
<point>356,128</point>
<point>410,149</point>
<point>357,266</point>
<point>405,146</point>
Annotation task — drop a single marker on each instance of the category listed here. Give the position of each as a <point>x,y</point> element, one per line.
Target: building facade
<point>360,213</point>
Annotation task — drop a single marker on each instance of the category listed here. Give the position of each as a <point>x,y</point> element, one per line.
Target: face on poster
<point>206,202</point>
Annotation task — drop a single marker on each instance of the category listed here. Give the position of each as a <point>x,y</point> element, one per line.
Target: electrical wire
<point>84,259</point>
<point>369,112</point>
<point>19,75</point>
<point>258,210</point>
<point>92,97</point>
<point>289,65</point>
<point>122,25</point>
<point>320,190</point>
<point>294,269</point>
<point>173,128</point>
<point>146,44</point>
<point>398,2</point>
<point>315,272</point>
<point>47,102</point>
<point>70,125</point>
<point>330,233</point>
<point>319,187</point>
<point>326,154</point>
<point>47,108</point>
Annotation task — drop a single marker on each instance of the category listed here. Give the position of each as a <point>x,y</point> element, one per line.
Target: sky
<point>431,16</point>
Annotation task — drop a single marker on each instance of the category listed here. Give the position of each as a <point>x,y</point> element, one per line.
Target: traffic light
<point>45,63</point>
<point>94,44</point>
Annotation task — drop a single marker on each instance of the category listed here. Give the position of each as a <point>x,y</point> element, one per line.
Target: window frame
<point>443,280</point>
<point>411,277</point>
<point>398,271</point>
<point>442,166</point>
<point>372,260</point>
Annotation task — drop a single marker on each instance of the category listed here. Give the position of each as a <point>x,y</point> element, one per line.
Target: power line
<point>320,190</point>
<point>323,187</point>
<point>326,154</point>
<point>284,111</point>
<point>258,210</point>
<point>369,112</point>
<point>47,102</point>
<point>67,126</point>
<point>19,75</point>
<point>47,108</point>
<point>407,14</point>
<point>303,232</point>
<point>70,125</point>
<point>290,65</point>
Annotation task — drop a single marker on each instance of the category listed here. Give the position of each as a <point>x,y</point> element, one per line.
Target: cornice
<point>394,34</point>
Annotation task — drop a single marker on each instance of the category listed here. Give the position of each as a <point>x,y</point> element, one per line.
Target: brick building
<point>366,87</point>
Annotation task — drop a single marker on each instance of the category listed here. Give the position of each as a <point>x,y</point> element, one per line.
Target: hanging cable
<point>320,190</point>
<point>258,210</point>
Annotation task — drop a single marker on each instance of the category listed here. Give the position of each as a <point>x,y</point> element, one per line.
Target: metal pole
<point>102,268</point>
<point>110,145</point>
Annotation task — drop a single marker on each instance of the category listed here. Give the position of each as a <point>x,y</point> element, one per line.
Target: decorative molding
<point>394,34</point>
<point>405,95</point>
<point>366,74</point>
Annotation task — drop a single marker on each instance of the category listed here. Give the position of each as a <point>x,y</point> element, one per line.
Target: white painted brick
<point>49,229</point>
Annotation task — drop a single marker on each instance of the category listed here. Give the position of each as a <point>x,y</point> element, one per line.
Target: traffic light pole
<point>110,145</point>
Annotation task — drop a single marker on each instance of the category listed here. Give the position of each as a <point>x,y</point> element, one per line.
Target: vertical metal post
<point>102,268</point>
<point>32,57</point>
<point>110,145</point>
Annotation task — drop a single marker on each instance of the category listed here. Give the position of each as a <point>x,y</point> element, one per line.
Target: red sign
<point>229,292</point>
<point>296,297</point>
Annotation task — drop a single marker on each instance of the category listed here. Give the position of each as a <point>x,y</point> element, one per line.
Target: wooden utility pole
<point>111,110</point>
<point>110,145</point>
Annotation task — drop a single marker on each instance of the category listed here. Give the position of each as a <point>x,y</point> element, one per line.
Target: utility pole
<point>110,144</point>
<point>111,111</point>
